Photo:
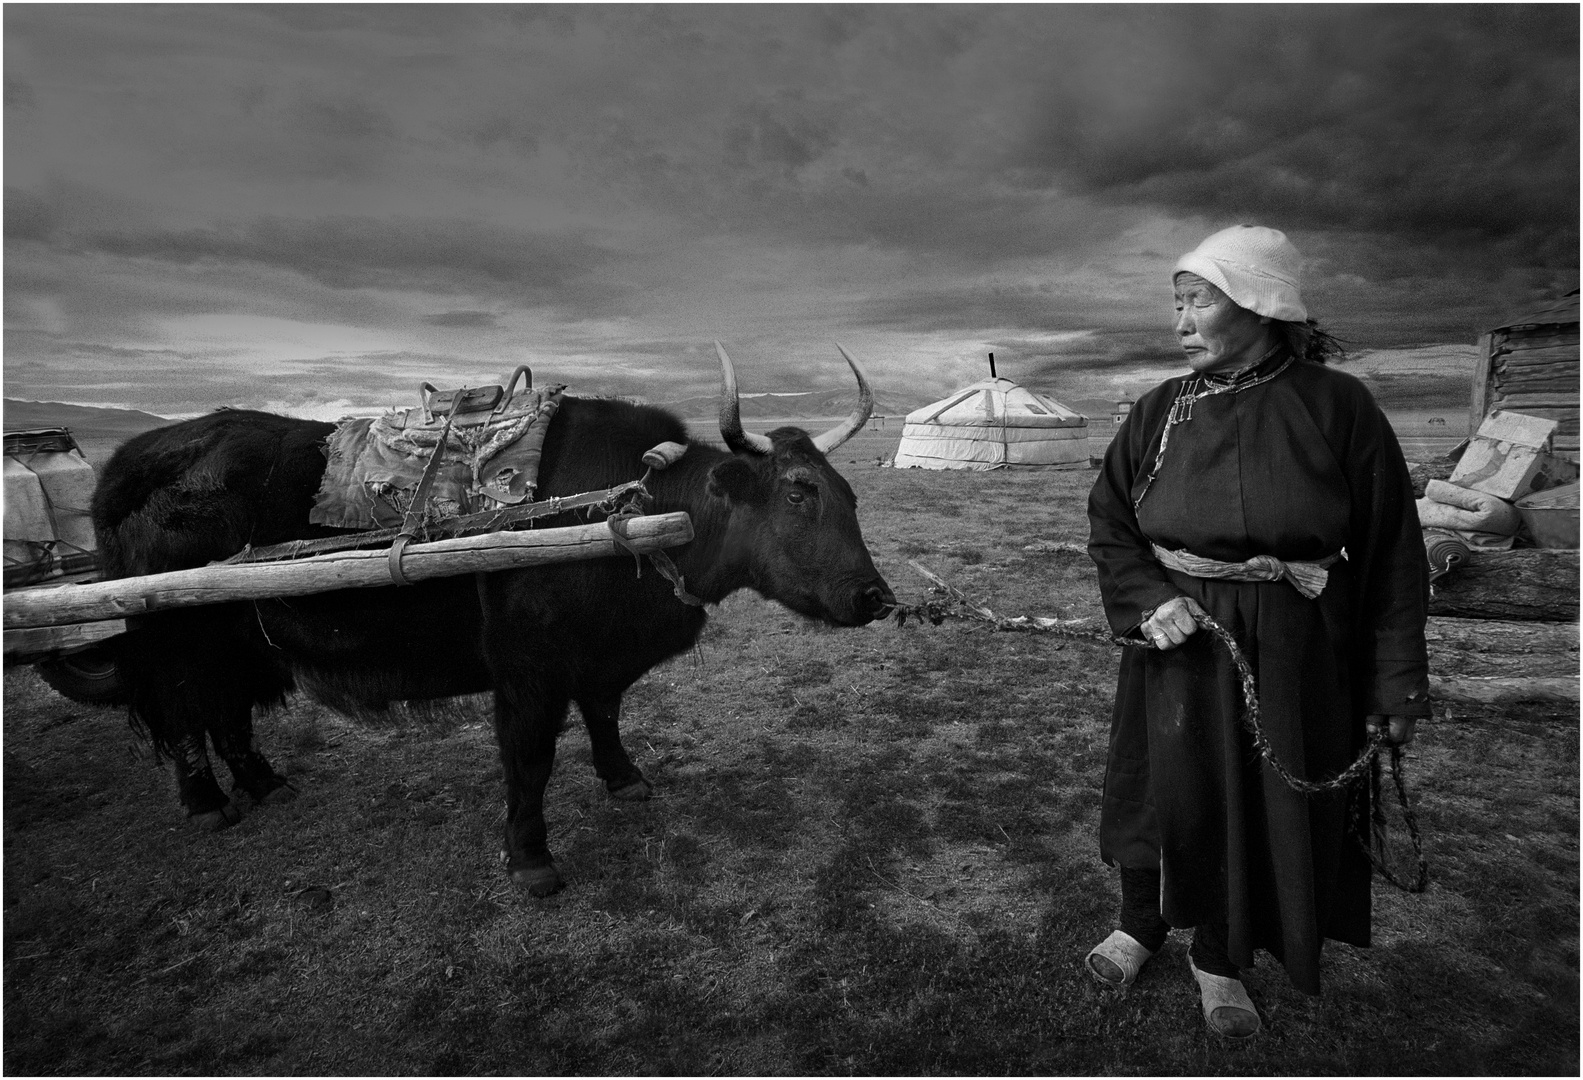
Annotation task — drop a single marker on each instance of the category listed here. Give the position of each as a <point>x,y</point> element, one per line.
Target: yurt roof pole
<point>1005,447</point>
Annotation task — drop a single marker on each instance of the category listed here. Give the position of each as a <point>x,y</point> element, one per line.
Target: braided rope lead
<point>936,611</point>
<point>1368,763</point>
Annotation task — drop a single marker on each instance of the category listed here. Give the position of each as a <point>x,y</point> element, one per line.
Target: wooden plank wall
<point>1534,370</point>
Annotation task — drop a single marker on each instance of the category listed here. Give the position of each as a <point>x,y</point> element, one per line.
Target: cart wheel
<point>88,677</point>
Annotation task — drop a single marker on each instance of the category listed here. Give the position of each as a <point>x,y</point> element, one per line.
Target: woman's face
<point>1215,333</point>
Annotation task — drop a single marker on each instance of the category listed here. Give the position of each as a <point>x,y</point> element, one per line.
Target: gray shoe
<point>1228,1010</point>
<point>1117,960</point>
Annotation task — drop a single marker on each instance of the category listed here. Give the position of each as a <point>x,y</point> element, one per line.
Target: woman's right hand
<point>1172,622</point>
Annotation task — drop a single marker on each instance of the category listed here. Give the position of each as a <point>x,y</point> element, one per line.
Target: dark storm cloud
<point>18,94</point>
<point>1098,353</point>
<point>609,187</point>
<point>40,352</point>
<point>1410,120</point>
<point>394,376</point>
<point>463,319</point>
<point>432,254</point>
<point>959,224</point>
<point>342,120</point>
<point>946,308</point>
<point>500,130</point>
<point>765,140</point>
<point>29,217</point>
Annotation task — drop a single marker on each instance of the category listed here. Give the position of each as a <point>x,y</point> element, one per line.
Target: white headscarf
<point>1257,267</point>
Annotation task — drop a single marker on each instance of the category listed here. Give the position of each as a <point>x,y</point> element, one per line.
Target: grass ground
<point>871,851</point>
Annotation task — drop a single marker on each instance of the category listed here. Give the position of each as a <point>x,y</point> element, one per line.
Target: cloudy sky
<point>316,207</point>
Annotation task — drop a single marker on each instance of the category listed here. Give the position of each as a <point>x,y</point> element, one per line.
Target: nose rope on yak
<point>1367,763</point>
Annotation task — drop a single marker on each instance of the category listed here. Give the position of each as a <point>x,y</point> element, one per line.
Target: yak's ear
<point>738,481</point>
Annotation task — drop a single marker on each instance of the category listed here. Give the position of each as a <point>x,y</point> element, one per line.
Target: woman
<point>1259,451</point>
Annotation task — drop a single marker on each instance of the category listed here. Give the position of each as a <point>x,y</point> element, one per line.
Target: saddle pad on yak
<point>490,459</point>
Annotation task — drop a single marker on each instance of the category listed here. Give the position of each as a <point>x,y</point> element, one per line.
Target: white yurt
<point>990,425</point>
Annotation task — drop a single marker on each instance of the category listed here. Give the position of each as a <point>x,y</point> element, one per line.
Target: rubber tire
<point>88,677</point>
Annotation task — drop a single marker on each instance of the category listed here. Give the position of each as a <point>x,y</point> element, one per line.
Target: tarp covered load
<point>48,489</point>
<point>990,425</point>
<point>491,460</point>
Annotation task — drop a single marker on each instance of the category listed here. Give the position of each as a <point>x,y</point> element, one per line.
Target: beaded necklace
<point>1203,385</point>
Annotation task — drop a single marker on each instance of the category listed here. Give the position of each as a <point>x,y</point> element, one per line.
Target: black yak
<point>770,514</point>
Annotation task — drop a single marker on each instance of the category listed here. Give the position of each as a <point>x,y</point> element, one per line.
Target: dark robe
<point>1300,466</point>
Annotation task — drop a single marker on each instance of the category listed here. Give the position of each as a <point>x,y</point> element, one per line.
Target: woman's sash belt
<point>1308,578</point>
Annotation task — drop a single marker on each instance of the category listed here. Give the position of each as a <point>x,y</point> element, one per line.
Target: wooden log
<point>340,570</point>
<point>48,639</point>
<point>1518,398</point>
<point>1517,367</point>
<point>1496,636</point>
<point>480,524</point>
<point>1502,691</point>
<point>1557,385</point>
<point>1493,648</point>
<point>1558,344</point>
<point>1524,585</point>
<point>1479,405</point>
<point>1548,351</point>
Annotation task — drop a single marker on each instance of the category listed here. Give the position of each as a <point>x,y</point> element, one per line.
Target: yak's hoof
<point>630,790</point>
<point>537,880</point>
<point>216,820</point>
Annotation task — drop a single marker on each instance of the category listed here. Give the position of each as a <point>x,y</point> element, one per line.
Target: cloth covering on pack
<point>491,458</point>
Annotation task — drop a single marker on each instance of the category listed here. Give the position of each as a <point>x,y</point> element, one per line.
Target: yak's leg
<point>206,804</point>
<point>233,741</point>
<point>178,679</point>
<point>623,779</point>
<point>526,723</point>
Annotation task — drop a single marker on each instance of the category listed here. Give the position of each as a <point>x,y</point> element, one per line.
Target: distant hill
<point>98,431</point>
<point>82,419</point>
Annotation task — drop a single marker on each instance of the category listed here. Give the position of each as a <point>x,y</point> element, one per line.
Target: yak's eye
<point>795,496</point>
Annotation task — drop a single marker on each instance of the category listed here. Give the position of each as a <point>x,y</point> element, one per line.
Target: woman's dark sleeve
<point>1131,582</point>
<point>1391,571</point>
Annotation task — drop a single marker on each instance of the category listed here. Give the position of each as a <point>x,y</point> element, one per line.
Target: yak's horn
<point>731,412</point>
<point>854,423</point>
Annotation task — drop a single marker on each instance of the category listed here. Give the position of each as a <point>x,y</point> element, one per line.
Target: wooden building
<point>1530,365</point>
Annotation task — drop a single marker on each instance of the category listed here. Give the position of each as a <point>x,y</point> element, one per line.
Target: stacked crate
<point>1530,366</point>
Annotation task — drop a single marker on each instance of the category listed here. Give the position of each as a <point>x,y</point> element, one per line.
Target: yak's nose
<point>881,601</point>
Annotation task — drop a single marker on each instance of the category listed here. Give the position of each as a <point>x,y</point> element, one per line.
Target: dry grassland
<point>871,851</point>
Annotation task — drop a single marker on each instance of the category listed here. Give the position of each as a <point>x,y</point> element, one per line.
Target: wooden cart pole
<point>339,570</point>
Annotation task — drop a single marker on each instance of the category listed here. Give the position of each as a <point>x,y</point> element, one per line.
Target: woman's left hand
<point>1399,730</point>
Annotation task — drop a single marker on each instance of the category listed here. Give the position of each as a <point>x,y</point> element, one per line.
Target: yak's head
<point>794,519</point>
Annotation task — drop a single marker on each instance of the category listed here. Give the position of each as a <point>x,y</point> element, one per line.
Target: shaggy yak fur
<point>782,522</point>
